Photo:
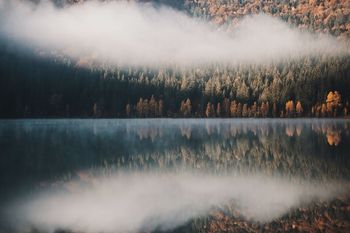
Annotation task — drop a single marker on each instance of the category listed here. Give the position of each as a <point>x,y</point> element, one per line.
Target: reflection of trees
<point>186,131</point>
<point>332,133</point>
<point>333,138</point>
<point>258,147</point>
<point>148,133</point>
<point>218,145</point>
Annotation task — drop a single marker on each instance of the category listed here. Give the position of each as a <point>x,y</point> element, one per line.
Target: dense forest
<point>41,88</point>
<point>315,86</point>
<point>327,16</point>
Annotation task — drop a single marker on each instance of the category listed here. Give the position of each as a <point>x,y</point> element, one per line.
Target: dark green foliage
<point>33,86</point>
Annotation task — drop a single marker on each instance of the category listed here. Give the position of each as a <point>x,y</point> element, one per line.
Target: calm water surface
<point>41,155</point>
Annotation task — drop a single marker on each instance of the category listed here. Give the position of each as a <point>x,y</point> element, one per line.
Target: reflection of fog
<point>234,161</point>
<point>147,201</point>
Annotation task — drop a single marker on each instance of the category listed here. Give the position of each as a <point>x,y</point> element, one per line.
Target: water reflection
<point>307,148</point>
<point>148,201</point>
<point>244,160</point>
<point>331,129</point>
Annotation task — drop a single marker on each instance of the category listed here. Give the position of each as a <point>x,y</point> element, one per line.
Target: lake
<point>118,175</point>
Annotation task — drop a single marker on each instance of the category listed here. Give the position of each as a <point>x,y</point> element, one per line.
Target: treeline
<point>330,16</point>
<point>332,107</point>
<point>31,86</point>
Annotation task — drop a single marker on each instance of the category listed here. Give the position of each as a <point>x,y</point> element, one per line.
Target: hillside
<point>32,85</point>
<point>326,16</point>
<point>330,16</point>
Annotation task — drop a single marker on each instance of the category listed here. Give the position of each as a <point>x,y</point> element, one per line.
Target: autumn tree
<point>333,102</point>
<point>290,108</point>
<point>152,106</point>
<point>254,110</point>
<point>239,110</point>
<point>333,137</point>
<point>245,111</point>
<point>314,112</point>
<point>186,108</point>
<point>139,108</point>
<point>233,108</point>
<point>226,107</point>
<point>209,112</point>
<point>145,108</point>
<point>182,108</point>
<point>264,109</point>
<point>299,109</point>
<point>330,103</point>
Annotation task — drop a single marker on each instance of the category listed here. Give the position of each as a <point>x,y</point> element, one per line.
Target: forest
<point>328,16</point>
<point>318,87</point>
<point>33,86</point>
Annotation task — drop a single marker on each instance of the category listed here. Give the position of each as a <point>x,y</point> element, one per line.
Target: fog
<point>124,33</point>
<point>136,201</point>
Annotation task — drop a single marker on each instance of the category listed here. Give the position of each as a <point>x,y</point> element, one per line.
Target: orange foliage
<point>299,109</point>
<point>333,138</point>
<point>290,108</point>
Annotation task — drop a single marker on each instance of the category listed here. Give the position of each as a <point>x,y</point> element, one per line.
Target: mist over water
<point>160,174</point>
<point>122,33</point>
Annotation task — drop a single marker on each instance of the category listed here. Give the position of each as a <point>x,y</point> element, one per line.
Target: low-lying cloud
<point>145,201</point>
<point>122,33</point>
